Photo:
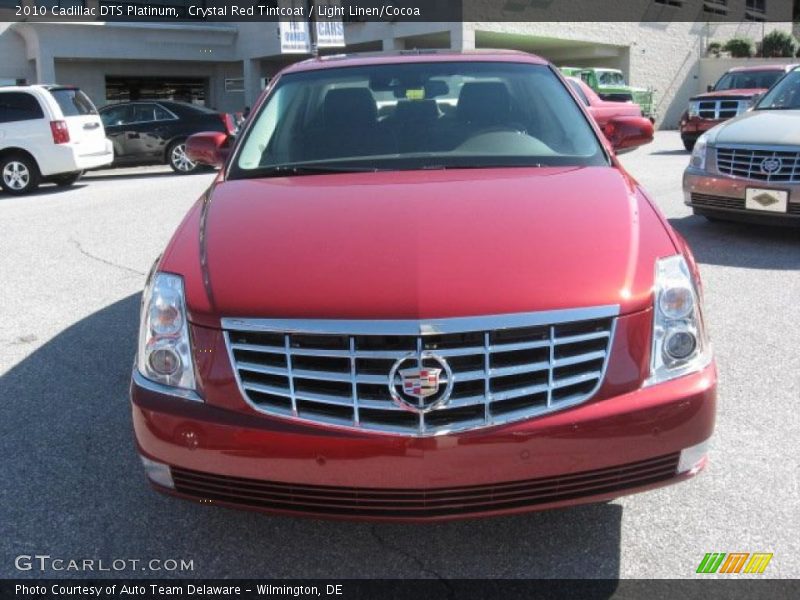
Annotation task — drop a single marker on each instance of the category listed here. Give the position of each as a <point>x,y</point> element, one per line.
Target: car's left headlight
<point>680,344</point>
<point>699,152</point>
<point>165,353</point>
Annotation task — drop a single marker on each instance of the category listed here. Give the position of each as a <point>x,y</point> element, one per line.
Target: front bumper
<point>693,127</point>
<point>593,452</point>
<point>714,194</point>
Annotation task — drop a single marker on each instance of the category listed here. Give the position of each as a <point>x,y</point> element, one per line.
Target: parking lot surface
<point>73,263</point>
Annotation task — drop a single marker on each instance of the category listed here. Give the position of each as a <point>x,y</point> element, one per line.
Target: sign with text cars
<point>295,35</point>
<point>329,25</point>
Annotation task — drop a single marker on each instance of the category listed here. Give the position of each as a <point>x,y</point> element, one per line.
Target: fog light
<point>680,344</point>
<point>158,473</point>
<point>164,361</point>
<point>693,458</point>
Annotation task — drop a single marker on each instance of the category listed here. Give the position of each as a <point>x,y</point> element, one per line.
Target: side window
<point>579,91</point>
<point>19,106</point>
<point>115,115</point>
<point>162,114</point>
<point>144,113</point>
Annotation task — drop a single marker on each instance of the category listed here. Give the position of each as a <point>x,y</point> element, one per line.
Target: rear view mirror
<point>208,148</point>
<point>627,133</point>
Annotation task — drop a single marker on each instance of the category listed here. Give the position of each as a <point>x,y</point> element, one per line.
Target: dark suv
<point>149,132</point>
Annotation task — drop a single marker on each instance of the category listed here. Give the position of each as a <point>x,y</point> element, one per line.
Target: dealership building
<point>226,64</point>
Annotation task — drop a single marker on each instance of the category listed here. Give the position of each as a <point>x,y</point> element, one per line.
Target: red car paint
<point>692,127</point>
<point>603,110</point>
<point>484,242</point>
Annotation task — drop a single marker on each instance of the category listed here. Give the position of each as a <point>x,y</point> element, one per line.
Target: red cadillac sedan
<point>422,287</point>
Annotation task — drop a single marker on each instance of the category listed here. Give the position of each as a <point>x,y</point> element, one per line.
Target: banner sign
<point>329,26</point>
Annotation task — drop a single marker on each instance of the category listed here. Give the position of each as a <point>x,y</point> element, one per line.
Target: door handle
<point>91,125</point>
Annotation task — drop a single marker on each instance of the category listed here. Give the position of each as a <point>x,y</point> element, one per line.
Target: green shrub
<point>714,49</point>
<point>778,44</point>
<point>740,47</point>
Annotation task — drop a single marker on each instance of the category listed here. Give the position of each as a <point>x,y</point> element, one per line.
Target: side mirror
<point>709,88</point>
<point>208,148</point>
<point>627,133</point>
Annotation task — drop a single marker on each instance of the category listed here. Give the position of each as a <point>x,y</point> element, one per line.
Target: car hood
<point>769,127</point>
<point>429,244</point>
<point>742,93</point>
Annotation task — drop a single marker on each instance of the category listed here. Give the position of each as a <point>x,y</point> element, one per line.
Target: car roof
<point>413,56</point>
<point>779,67</point>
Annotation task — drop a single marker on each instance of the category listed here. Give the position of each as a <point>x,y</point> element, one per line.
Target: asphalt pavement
<point>72,265</point>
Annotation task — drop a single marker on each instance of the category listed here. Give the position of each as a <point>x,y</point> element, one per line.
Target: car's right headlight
<point>165,354</point>
<point>699,152</point>
<point>680,344</point>
<point>694,108</point>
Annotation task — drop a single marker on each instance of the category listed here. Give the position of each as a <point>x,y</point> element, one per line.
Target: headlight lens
<point>165,353</point>
<point>680,345</point>
<point>694,108</point>
<point>698,159</point>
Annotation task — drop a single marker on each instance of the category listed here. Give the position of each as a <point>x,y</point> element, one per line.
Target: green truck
<point>610,84</point>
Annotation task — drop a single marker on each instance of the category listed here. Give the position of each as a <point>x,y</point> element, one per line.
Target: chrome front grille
<point>503,368</point>
<point>750,163</point>
<point>718,109</point>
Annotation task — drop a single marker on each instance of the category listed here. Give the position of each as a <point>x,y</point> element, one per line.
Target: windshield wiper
<point>283,170</point>
<point>458,167</point>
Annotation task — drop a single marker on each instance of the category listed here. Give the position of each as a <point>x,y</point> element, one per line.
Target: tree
<point>740,47</point>
<point>778,44</point>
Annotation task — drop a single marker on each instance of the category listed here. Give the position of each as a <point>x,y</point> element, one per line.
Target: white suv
<point>48,133</point>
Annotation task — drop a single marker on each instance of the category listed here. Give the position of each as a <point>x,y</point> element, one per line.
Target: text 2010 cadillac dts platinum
<point>422,287</point>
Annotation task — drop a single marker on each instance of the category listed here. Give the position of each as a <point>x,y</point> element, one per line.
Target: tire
<point>67,179</point>
<point>19,174</point>
<point>177,159</point>
<point>688,144</point>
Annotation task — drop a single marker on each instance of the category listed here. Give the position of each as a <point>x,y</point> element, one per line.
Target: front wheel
<point>67,179</point>
<point>688,144</point>
<point>19,174</point>
<point>179,161</point>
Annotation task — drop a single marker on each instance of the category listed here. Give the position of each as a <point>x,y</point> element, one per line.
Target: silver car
<point>748,168</point>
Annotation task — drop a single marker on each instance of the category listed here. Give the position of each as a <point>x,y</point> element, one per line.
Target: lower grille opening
<point>420,503</point>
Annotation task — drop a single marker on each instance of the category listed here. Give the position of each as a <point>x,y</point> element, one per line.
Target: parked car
<point>48,133</point>
<point>610,85</point>
<point>602,110</point>
<point>466,307</point>
<point>155,132</point>
<point>748,168</point>
<point>734,94</point>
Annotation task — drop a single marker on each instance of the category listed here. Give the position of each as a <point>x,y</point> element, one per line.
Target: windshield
<point>785,95</point>
<point>417,116</point>
<point>610,78</point>
<point>747,80</point>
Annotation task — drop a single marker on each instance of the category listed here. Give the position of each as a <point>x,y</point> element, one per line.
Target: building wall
<point>90,76</point>
<point>14,63</point>
<point>663,56</point>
